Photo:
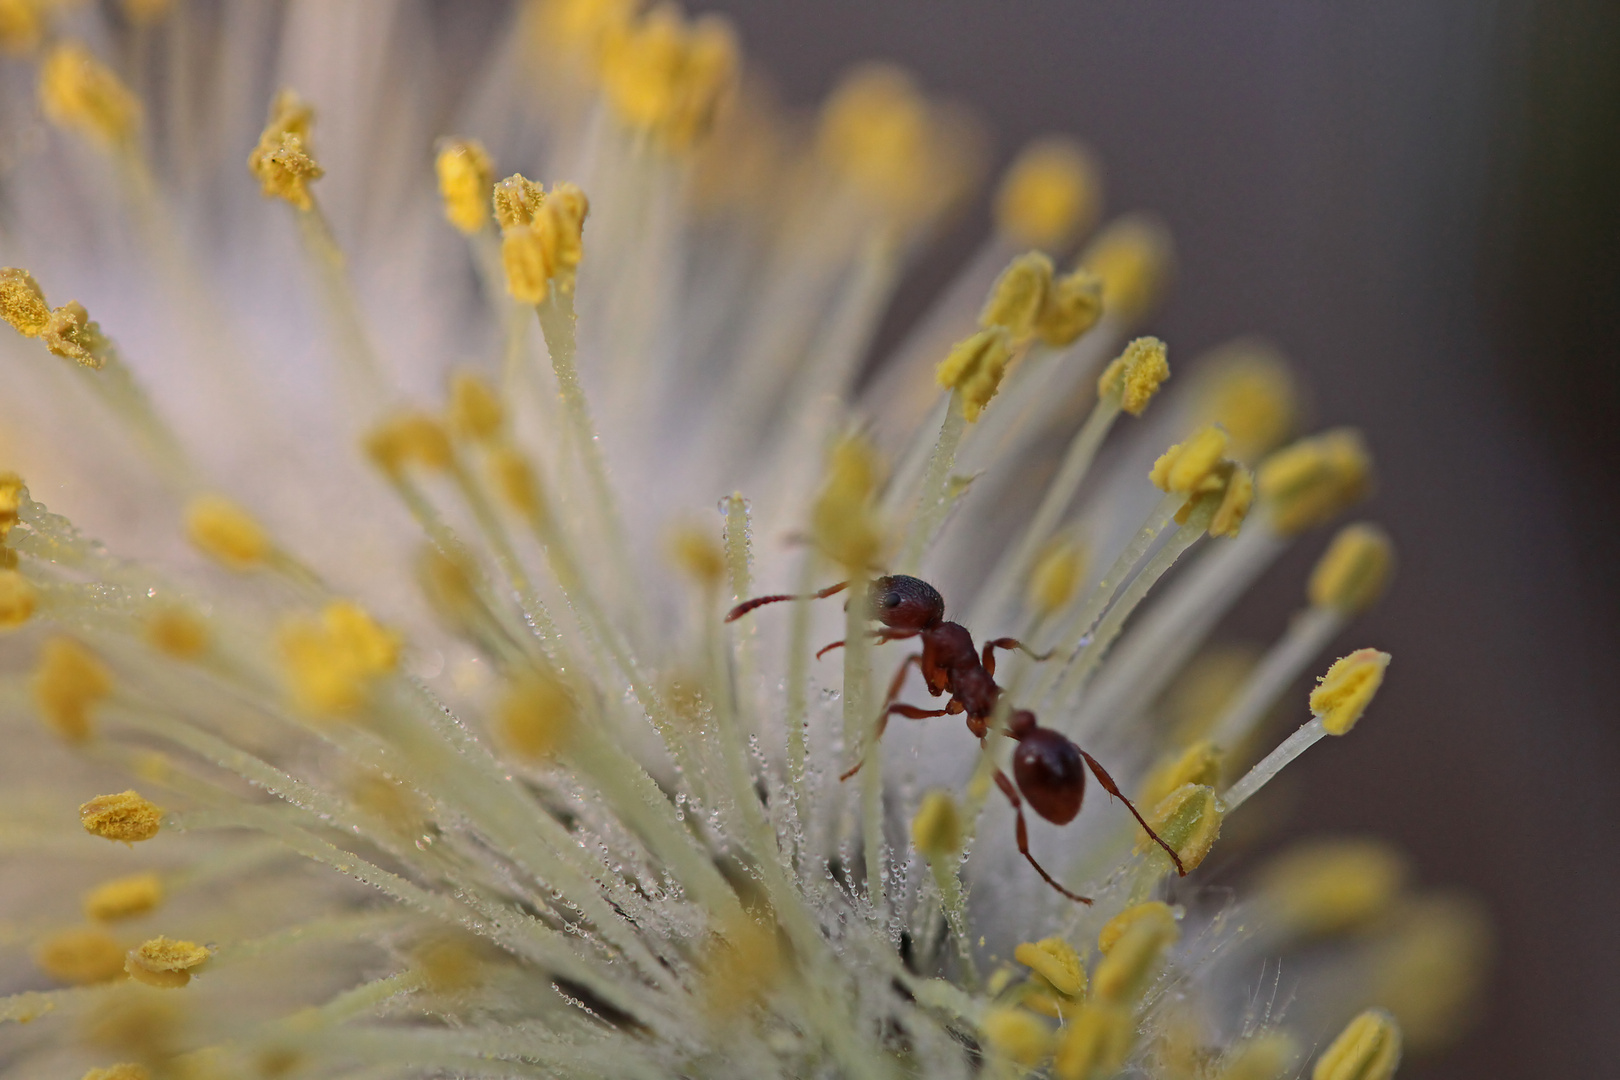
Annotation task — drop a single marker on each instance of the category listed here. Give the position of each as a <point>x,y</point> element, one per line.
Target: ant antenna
<point>760,601</point>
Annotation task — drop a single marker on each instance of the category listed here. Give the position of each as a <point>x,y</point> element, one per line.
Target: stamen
<point>1051,193</point>
<point>1016,1035</point>
<point>1189,820</point>
<point>165,963</point>
<point>1265,1056</point>
<point>1015,300</point>
<point>1133,256</point>
<point>1199,763</point>
<point>1136,375</point>
<point>466,178</point>
<point>667,76</point>
<point>1354,571</point>
<point>536,716</point>
<point>125,816</point>
<point>1314,480</point>
<point>281,161</point>
<point>177,633</point>
<point>18,599</point>
<point>77,91</point>
<point>80,957</point>
<point>22,302</point>
<point>1156,912</point>
<point>331,663</point>
<point>124,897</point>
<point>974,368</point>
<point>1095,1043</point>
<point>1325,887</point>
<point>225,532</point>
<point>122,1071</point>
<point>67,684</point>
<point>1247,388</point>
<point>1054,960</point>
<point>1369,1048</point>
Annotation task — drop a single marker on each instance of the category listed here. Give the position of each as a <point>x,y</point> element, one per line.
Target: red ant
<point>1047,765</point>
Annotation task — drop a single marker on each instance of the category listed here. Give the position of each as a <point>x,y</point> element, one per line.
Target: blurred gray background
<point>1420,202</point>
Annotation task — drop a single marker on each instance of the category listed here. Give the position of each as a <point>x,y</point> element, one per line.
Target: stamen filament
<point>932,495</point>
<point>1305,737</point>
<point>1307,635</point>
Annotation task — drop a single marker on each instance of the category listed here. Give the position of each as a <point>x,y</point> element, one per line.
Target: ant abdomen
<point>1050,774</point>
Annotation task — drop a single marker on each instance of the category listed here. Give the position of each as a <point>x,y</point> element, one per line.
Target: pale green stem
<point>1305,737</point>
<point>500,544</point>
<point>859,728</point>
<point>798,692</point>
<point>1307,635</point>
<point>953,902</point>
<point>740,583</point>
<point>1013,570</point>
<point>363,377</point>
<point>1080,669</point>
<point>124,397</point>
<point>932,502</point>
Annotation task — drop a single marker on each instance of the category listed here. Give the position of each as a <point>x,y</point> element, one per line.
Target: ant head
<point>906,603</point>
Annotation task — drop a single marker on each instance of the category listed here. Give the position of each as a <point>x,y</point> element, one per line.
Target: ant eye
<point>891,600</point>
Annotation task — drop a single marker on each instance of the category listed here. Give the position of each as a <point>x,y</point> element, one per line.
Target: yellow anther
<point>1133,955</point>
<point>1056,577</point>
<point>22,25</point>
<point>1330,886</point>
<point>1311,481</point>
<point>843,519</point>
<point>282,160</point>
<point>1050,193</point>
<point>515,480</point>
<point>67,684</point>
<point>1133,256</point>
<point>936,831</point>
<point>1248,389</point>
<point>516,200</point>
<point>1136,374</point>
<point>407,440</point>
<point>974,368</point>
<point>449,961</point>
<point>1189,820</point>
<point>1054,960</point>
<point>146,12</point>
<point>177,632</point>
<point>1095,1043</point>
<point>124,898</point>
<point>1354,570</point>
<point>164,962</point>
<point>574,28</point>
<point>125,816</point>
<point>1430,969</point>
<point>80,957</point>
<point>475,409</point>
<point>1344,693</point>
<point>22,302</point>
<point>561,226</point>
<point>448,583</point>
<point>17,599</point>
<point>1155,912</point>
<point>466,179</point>
<point>225,532</point>
<point>71,334</point>
<point>1016,1035</point>
<point>667,76</point>
<point>1369,1048</point>
<point>523,259</point>
<point>1190,467</point>
<point>12,490</point>
<point>698,554</point>
<point>1073,306</point>
<point>386,799</point>
<point>331,663</point>
<point>1016,299</point>
<point>1270,1055</point>
<point>1236,499</point>
<point>122,1071</point>
<point>536,716</point>
<point>1199,763</point>
<point>77,91</point>
<point>742,964</point>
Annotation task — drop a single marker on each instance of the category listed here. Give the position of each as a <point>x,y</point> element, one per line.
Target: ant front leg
<point>880,636</point>
<point>1011,792</point>
<point>1113,789</point>
<point>989,658</point>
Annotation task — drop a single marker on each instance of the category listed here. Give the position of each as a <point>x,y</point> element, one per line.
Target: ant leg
<point>1113,789</point>
<point>825,649</point>
<point>880,636</point>
<point>760,601</point>
<point>1011,792</point>
<point>911,712</point>
<point>989,659</point>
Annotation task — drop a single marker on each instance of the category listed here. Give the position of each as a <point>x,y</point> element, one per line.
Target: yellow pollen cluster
<point>1136,374</point>
<point>22,302</point>
<point>1029,302</point>
<point>843,520</point>
<point>466,178</point>
<point>1050,193</point>
<point>22,25</point>
<point>1154,912</point>
<point>1056,577</point>
<point>536,716</point>
<point>177,633</point>
<point>281,161</point>
<point>143,12</point>
<point>412,439</point>
<point>226,533</point>
<point>11,496</point>
<point>1133,258</point>
<point>1369,1048</point>
<point>1199,763</point>
<point>515,480</point>
<point>71,334</point>
<point>542,236</point>
<point>1054,960</point>
<point>80,957</point>
<point>164,963</point>
<point>1344,693</point>
<point>77,91</point>
<point>1354,571</point>
<point>666,75</point>
<point>1189,820</point>
<point>743,964</point>
<point>125,816</point>
<point>1016,1035</point>
<point>1248,389</point>
<point>936,831</point>
<point>67,684</point>
<point>123,898</point>
<point>698,554</point>
<point>331,662</point>
<point>974,368</point>
<point>1189,467</point>
<point>1330,886</point>
<point>475,411</point>
<point>17,599</point>
<point>122,1071</point>
<point>1310,481</point>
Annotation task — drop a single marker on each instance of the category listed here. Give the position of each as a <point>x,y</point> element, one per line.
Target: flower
<point>402,682</point>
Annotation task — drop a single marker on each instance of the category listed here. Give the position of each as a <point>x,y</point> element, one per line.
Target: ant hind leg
<point>1113,789</point>
<point>1011,792</point>
<point>990,647</point>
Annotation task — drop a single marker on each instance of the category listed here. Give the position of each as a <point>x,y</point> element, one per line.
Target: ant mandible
<point>1048,766</point>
